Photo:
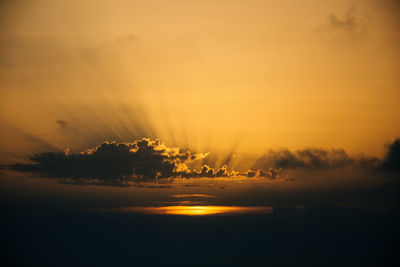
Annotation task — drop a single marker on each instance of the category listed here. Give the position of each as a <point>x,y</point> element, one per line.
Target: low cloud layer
<point>142,160</point>
<point>148,160</point>
<point>317,159</point>
<point>391,161</point>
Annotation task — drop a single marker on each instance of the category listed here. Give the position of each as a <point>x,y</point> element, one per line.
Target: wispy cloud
<point>349,25</point>
<point>313,158</point>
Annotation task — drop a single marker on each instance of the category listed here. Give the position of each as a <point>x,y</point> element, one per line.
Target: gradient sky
<point>241,76</point>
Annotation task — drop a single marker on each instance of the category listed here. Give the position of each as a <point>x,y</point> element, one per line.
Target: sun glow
<point>197,210</point>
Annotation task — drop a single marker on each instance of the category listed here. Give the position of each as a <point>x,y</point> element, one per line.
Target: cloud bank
<point>111,162</point>
<point>391,161</point>
<point>145,159</point>
<point>142,159</point>
<point>318,159</point>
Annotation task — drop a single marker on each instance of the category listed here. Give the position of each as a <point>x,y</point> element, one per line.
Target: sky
<point>128,92</point>
<point>210,76</point>
<point>161,94</point>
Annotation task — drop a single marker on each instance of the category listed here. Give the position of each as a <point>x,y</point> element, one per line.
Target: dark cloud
<point>347,23</point>
<point>147,160</point>
<point>115,163</point>
<point>143,159</point>
<point>312,159</point>
<point>62,123</point>
<point>271,173</point>
<point>391,161</point>
<point>350,23</point>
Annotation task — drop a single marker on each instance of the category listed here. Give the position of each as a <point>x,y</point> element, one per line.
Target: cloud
<point>312,159</point>
<point>271,173</point>
<point>141,160</point>
<point>391,161</point>
<point>347,23</point>
<point>350,24</point>
<point>61,123</point>
<point>147,160</point>
<point>115,163</point>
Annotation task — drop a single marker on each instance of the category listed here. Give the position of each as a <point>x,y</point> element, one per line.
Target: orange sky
<point>240,76</point>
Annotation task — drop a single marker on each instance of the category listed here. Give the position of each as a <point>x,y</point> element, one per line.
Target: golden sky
<point>233,76</point>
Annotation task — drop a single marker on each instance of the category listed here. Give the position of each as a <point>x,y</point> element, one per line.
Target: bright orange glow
<point>197,210</point>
